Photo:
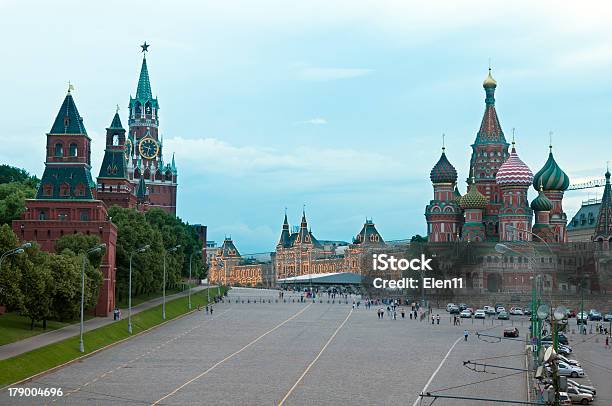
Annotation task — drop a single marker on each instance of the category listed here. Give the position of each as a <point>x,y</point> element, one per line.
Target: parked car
<point>582,386</point>
<point>516,311</point>
<point>449,305</point>
<point>503,315</point>
<point>454,309</point>
<point>564,398</point>
<point>563,349</point>
<point>579,397</point>
<point>471,309</point>
<point>499,309</point>
<point>569,385</point>
<point>465,314</point>
<point>462,306</point>
<point>527,311</point>
<point>568,360</point>
<point>581,318</point>
<point>489,310</point>
<point>480,314</point>
<point>511,332</point>
<point>608,316</point>
<point>562,338</point>
<point>569,370</point>
<point>595,315</point>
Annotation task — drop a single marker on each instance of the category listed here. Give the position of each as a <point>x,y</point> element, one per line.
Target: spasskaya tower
<point>144,146</point>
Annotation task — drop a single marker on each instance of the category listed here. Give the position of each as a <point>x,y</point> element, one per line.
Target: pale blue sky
<point>339,105</point>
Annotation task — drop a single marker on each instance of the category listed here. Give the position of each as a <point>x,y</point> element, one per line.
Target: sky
<point>335,106</point>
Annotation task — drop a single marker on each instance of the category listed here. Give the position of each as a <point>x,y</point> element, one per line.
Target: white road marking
<point>231,356</point>
<point>315,359</point>
<point>431,378</point>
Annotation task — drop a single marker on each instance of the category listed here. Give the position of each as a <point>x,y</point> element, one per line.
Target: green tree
<point>10,270</point>
<point>38,287</point>
<point>80,243</point>
<point>66,272</point>
<point>10,174</point>
<point>12,200</point>
<point>133,232</point>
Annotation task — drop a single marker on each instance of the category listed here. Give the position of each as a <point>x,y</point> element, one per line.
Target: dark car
<point>462,306</point>
<point>511,332</point>
<point>562,339</point>
<point>503,315</point>
<point>608,316</point>
<point>594,315</point>
<point>527,311</point>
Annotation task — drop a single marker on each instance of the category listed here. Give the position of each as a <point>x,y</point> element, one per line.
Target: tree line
<point>45,286</point>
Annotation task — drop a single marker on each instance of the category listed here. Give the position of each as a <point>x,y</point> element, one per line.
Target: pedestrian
<point>403,313</point>
<point>607,341</point>
<point>465,335</point>
<point>438,319</point>
<point>119,310</point>
<point>206,309</point>
<point>433,319</point>
<point>394,315</point>
<point>211,310</point>
<point>410,314</point>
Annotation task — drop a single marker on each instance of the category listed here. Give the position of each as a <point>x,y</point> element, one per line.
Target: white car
<point>448,306</point>
<point>500,309</point>
<point>569,370</point>
<point>516,311</point>
<point>465,314</point>
<point>568,361</point>
<point>480,314</point>
<point>489,310</point>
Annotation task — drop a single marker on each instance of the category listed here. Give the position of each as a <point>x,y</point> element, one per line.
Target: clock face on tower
<point>148,148</point>
<point>128,148</point>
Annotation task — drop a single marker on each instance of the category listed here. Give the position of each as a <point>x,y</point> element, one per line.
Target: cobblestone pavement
<point>296,353</point>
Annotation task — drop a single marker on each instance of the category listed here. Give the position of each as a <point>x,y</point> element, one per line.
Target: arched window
<point>115,139</point>
<point>59,149</point>
<point>73,150</point>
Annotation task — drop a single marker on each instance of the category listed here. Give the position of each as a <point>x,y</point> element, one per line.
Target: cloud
<point>314,121</point>
<point>324,74</point>
<point>303,168</point>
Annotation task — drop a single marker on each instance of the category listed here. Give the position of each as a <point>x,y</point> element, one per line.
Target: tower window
<point>59,149</point>
<point>73,150</point>
<point>115,139</point>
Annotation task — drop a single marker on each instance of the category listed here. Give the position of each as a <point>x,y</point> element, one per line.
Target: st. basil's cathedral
<point>133,174</point>
<point>495,206</point>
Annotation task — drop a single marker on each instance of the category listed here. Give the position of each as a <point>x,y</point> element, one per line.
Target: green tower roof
<point>143,92</point>
<point>551,176</point>
<point>541,202</point>
<point>116,124</point>
<point>68,120</point>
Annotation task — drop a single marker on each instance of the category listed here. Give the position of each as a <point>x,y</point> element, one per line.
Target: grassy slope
<point>39,360</point>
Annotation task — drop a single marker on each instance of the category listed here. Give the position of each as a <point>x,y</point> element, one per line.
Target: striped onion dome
<point>443,171</point>
<point>514,171</point>
<point>541,202</point>
<point>551,177</point>
<point>473,199</point>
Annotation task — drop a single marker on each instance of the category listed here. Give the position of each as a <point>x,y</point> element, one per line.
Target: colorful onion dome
<point>551,177</point>
<point>514,171</point>
<point>489,81</point>
<point>541,202</point>
<point>443,171</point>
<point>473,199</point>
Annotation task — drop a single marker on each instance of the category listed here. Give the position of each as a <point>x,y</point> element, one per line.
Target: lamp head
<point>19,251</point>
<point>26,245</point>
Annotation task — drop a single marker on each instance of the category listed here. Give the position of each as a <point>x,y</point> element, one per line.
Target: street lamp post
<point>14,251</point>
<point>141,249</point>
<point>173,249</point>
<point>97,248</point>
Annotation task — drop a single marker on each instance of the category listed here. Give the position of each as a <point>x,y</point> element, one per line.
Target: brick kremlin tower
<point>145,149</point>
<point>66,201</point>
<point>114,186</point>
<point>444,217</point>
<point>515,215</point>
<point>489,151</point>
<point>554,182</point>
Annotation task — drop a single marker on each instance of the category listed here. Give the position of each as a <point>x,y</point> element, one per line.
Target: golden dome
<point>489,81</point>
